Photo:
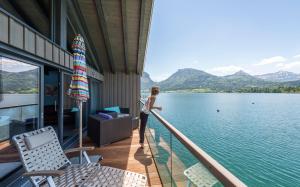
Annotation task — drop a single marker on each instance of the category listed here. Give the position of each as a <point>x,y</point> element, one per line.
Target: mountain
<point>242,79</point>
<point>280,76</point>
<point>188,79</point>
<point>239,74</point>
<point>200,81</point>
<point>196,79</point>
<point>146,81</point>
<point>19,82</point>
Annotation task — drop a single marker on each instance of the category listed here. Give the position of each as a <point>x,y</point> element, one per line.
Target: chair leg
<point>50,181</point>
<point>86,157</point>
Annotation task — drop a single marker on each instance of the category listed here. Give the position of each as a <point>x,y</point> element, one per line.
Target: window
<point>19,107</point>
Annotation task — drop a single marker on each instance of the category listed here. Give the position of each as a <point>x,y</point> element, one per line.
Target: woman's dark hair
<point>154,90</point>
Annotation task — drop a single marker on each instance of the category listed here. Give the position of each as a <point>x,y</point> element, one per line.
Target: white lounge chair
<point>47,165</point>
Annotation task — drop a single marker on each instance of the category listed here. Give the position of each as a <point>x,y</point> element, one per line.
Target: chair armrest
<point>79,149</point>
<point>54,173</point>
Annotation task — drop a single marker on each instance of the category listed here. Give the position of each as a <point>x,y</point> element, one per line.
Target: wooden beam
<point>142,22</point>
<point>52,18</point>
<point>61,20</point>
<point>103,27</point>
<point>81,27</point>
<point>141,54</point>
<point>125,36</point>
<point>58,21</point>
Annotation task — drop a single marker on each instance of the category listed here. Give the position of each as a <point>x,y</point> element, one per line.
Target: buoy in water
<point>253,103</point>
<point>218,110</point>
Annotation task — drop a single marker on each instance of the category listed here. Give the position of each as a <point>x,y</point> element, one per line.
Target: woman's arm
<point>152,101</point>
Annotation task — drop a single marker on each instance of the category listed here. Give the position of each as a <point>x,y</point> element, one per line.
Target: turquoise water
<point>255,136</point>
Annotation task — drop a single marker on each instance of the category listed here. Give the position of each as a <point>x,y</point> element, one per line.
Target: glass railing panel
<point>179,161</point>
<point>159,138</point>
<point>187,170</point>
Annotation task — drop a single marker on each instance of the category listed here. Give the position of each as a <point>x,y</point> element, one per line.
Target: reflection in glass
<point>51,97</point>
<point>70,111</point>
<point>19,107</point>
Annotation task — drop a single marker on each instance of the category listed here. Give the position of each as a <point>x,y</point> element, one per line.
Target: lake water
<point>255,136</point>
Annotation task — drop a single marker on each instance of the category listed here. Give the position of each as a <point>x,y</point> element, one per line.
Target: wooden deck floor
<point>127,154</point>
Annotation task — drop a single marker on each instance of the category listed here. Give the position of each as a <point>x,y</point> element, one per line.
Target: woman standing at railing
<point>149,104</point>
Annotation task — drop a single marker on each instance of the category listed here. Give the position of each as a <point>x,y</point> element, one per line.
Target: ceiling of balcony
<point>119,31</point>
<point>116,31</point>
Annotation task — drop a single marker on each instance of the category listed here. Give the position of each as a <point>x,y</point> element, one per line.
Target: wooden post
<point>80,130</point>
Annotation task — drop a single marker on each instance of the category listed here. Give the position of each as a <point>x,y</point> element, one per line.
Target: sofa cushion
<point>105,116</point>
<point>35,141</point>
<point>113,109</point>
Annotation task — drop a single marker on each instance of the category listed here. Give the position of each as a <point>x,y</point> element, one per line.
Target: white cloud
<point>271,60</point>
<point>280,65</point>
<point>293,66</point>
<point>296,56</point>
<point>225,70</point>
<point>10,65</point>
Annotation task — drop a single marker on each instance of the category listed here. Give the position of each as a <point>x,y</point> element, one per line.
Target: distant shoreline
<point>211,91</point>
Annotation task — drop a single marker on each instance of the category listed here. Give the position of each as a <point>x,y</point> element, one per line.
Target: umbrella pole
<point>80,130</point>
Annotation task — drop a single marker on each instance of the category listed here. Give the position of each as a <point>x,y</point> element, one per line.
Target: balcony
<point>168,159</point>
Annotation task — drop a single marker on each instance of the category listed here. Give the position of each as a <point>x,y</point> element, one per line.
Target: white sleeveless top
<point>146,107</point>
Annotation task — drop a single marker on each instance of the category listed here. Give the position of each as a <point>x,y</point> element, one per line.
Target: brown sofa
<point>106,131</point>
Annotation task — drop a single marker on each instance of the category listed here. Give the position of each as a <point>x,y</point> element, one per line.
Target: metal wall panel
<point>71,62</point>
<point>61,57</point>
<point>121,89</point>
<point>55,54</point>
<point>29,41</point>
<point>48,47</point>
<point>40,46</point>
<point>16,34</point>
<point>67,60</point>
<point>3,28</point>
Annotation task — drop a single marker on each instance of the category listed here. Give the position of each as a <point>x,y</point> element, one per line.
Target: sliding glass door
<point>70,111</point>
<point>19,107</point>
<point>51,97</point>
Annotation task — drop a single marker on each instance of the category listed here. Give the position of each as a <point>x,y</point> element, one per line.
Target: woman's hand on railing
<point>157,107</point>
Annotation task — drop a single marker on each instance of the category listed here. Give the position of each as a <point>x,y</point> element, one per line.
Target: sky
<point>222,37</point>
<point>15,66</point>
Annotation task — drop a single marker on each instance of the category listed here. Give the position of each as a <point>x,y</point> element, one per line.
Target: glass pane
<point>51,98</point>
<point>19,107</point>
<point>176,165</point>
<point>71,113</point>
<point>187,170</point>
<point>159,141</point>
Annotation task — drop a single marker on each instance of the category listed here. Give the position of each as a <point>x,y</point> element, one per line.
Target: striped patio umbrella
<point>79,89</point>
